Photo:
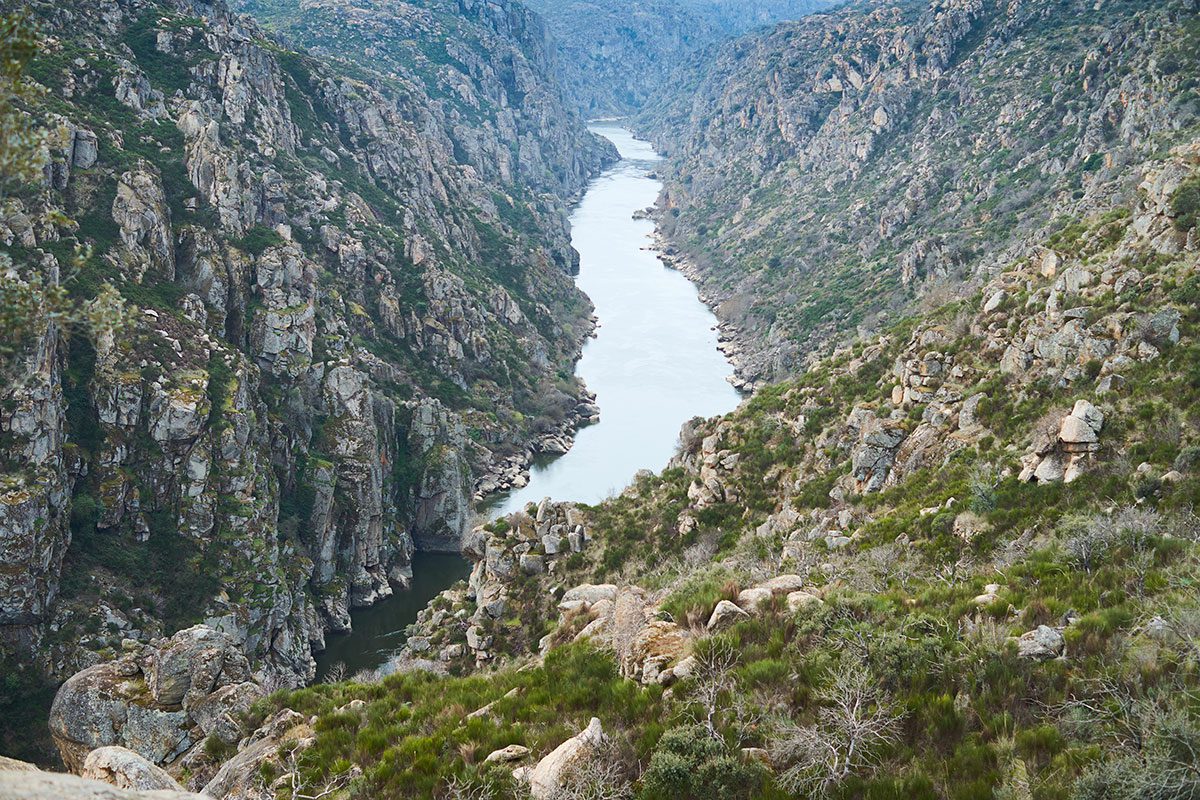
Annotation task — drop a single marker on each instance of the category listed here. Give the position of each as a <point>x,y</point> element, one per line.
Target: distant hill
<point>614,54</point>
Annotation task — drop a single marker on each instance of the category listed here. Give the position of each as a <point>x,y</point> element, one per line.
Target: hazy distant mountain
<point>613,54</point>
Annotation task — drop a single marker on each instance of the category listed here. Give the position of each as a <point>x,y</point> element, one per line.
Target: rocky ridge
<point>613,56</point>
<point>893,151</point>
<point>330,319</point>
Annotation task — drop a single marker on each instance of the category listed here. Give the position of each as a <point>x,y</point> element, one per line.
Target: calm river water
<point>654,365</point>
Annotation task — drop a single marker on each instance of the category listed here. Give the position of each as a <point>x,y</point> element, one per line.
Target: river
<point>655,363</point>
<point>653,366</point>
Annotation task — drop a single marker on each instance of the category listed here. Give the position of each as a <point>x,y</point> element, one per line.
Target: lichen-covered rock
<point>37,785</point>
<point>35,499</point>
<point>125,769</point>
<point>724,615</point>
<point>507,755</point>
<point>159,702</point>
<point>144,224</point>
<point>877,449</point>
<point>1042,644</point>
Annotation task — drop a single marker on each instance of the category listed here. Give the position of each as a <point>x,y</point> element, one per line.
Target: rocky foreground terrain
<point>951,551</point>
<point>321,305</point>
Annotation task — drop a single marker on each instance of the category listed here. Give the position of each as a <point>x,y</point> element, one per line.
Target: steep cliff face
<point>830,171</point>
<point>326,304</point>
<point>614,55</point>
<point>486,63</point>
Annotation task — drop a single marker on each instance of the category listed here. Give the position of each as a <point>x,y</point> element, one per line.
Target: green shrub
<point>689,764</point>
<point>259,239</point>
<point>1185,204</point>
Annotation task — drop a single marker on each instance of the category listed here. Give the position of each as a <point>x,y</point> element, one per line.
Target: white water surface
<point>655,363</point>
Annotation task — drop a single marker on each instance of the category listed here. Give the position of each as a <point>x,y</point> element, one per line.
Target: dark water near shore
<point>379,630</point>
<point>653,366</point>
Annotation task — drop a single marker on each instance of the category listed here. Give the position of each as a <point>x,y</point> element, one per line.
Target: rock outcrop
<point>547,778</point>
<point>1064,456</point>
<point>160,702</point>
<point>126,769</point>
<point>37,785</point>
<point>327,311</point>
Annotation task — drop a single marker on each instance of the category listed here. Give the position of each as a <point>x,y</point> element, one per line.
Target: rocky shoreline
<point>513,472</point>
<point>731,340</point>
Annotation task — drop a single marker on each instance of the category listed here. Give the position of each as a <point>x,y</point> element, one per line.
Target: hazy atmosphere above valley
<point>599,400</point>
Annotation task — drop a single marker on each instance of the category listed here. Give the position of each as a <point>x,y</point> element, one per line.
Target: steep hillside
<point>317,306</point>
<point>486,63</point>
<point>614,55</point>
<point>828,172</point>
<point>955,560</point>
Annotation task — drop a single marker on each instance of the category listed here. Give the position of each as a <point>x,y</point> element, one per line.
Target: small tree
<point>854,726</point>
<point>716,683</point>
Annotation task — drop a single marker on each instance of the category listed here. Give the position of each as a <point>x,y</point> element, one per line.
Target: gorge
<point>644,394</point>
<point>300,300</point>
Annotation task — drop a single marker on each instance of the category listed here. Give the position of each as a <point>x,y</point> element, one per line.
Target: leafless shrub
<point>297,788</point>
<point>719,704</point>
<point>701,553</point>
<point>368,676</point>
<point>605,774</point>
<point>716,682</point>
<point>875,568</point>
<point>1156,739</point>
<point>336,673</point>
<point>856,724</point>
<point>1137,526</point>
<point>1182,623</point>
<point>1088,540</point>
<point>1185,525</point>
<point>466,789</point>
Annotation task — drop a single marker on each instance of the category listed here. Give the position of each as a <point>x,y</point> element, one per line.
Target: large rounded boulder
<point>160,701</point>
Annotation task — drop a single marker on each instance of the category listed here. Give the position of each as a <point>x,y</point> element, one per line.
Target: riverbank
<point>731,340</point>
<point>656,363</point>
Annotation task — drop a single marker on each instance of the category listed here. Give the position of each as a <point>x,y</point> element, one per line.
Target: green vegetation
<point>690,764</point>
<point>25,697</point>
<point>1185,205</point>
<point>259,239</point>
<point>412,739</point>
